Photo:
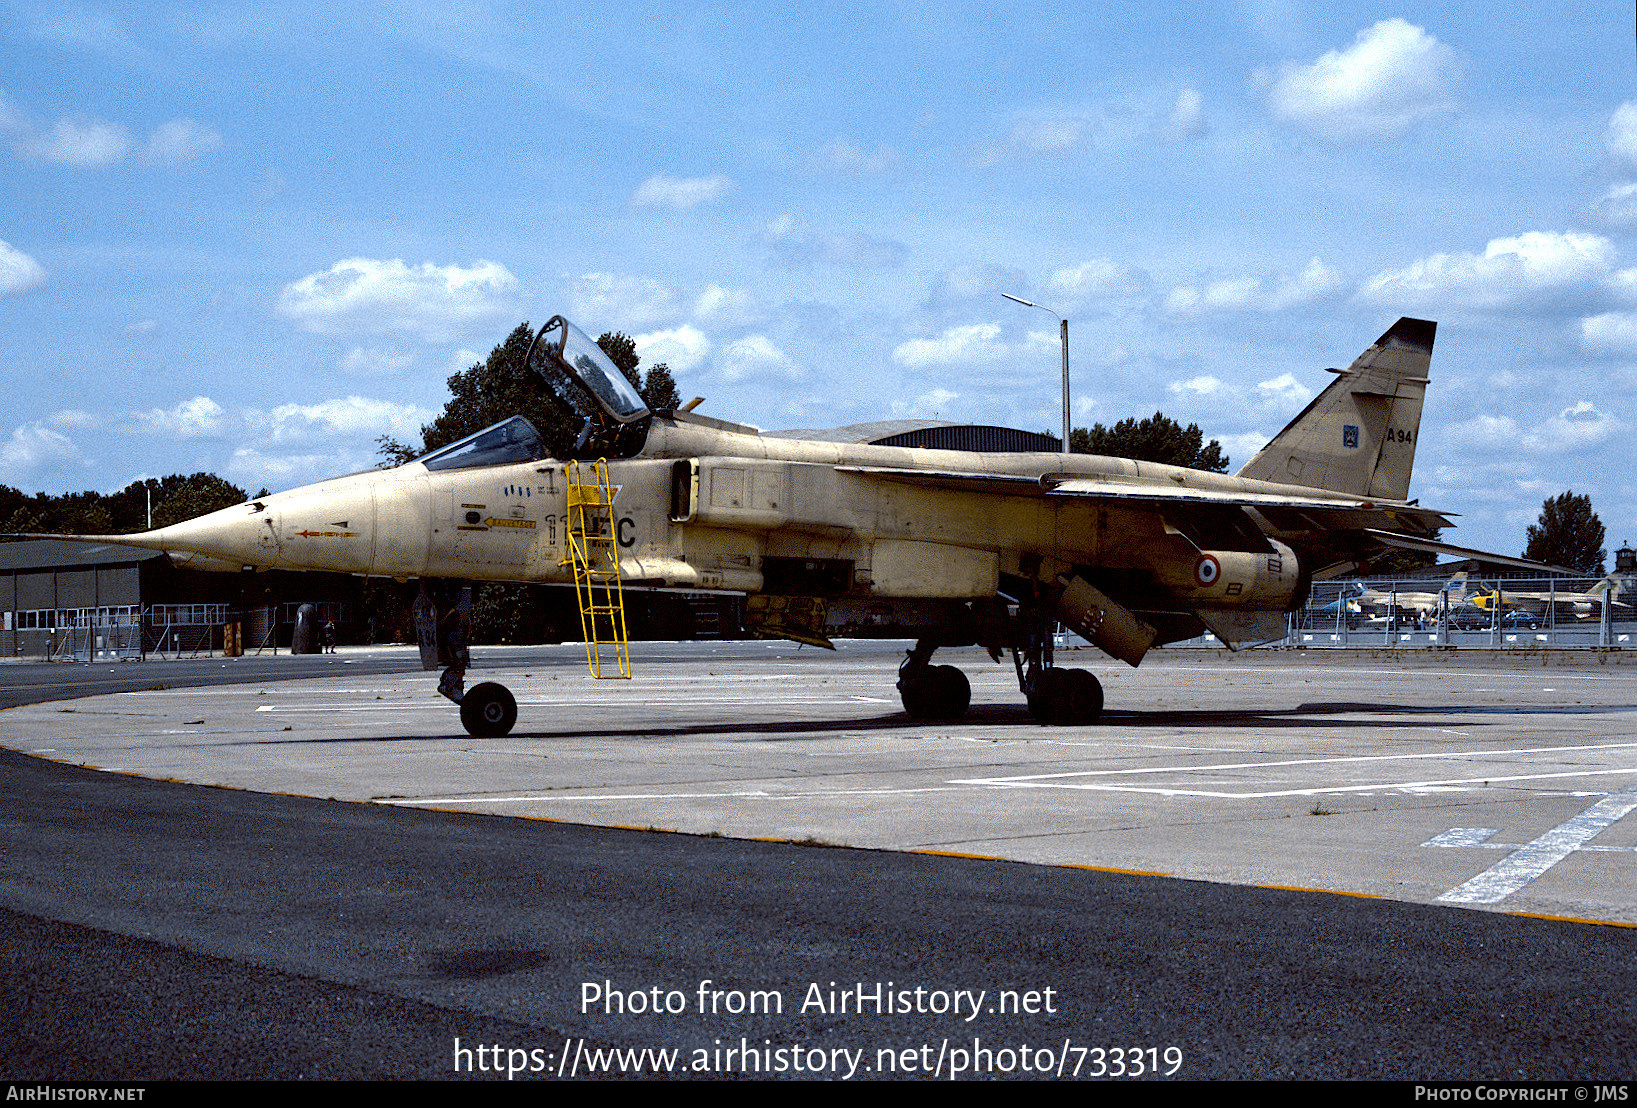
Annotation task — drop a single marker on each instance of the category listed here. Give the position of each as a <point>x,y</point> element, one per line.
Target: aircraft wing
<point>1016,483</point>
<point>1337,512</point>
<point>1158,494</point>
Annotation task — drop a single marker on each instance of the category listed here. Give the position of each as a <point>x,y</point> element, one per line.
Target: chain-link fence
<point>1514,613</point>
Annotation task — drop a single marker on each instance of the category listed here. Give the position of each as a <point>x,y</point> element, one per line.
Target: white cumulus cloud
<point>1393,76</point>
<point>1618,206</point>
<point>18,272</point>
<point>1610,333</point>
<point>842,159</point>
<point>1485,433</point>
<point>681,192</point>
<point>365,295</point>
<point>351,416</point>
<point>198,418</point>
<point>933,404</point>
<point>620,302</point>
<point>1098,279</point>
<point>976,342</point>
<point>251,467</point>
<point>180,140</point>
<point>1536,270</point>
<point>87,143</point>
<point>756,356</point>
<point>1186,119</point>
<point>1283,391</point>
<point>1252,294</point>
<point>726,307</point>
<point>33,449</point>
<point>796,246</point>
<point>372,362</point>
<point>1620,136</point>
<point>1575,429</point>
<point>682,348</point>
<point>1033,137</point>
<point>1203,385</point>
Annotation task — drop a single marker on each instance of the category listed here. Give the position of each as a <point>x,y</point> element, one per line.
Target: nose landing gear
<point>443,622</point>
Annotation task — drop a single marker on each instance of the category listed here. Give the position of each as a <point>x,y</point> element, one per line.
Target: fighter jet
<point>1560,605</point>
<point>967,548</point>
<point>1363,603</point>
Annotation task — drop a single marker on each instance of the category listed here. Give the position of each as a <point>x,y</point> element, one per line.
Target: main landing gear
<point>1056,696</point>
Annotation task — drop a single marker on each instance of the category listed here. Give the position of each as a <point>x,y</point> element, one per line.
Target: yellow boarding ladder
<point>593,550</point>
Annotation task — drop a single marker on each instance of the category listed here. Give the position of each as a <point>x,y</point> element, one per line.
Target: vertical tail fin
<point>1358,436</point>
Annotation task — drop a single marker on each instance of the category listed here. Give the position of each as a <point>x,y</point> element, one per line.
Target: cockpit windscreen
<point>507,442</point>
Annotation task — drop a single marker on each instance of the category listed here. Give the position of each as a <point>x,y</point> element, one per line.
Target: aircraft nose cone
<point>311,528</point>
<point>231,534</point>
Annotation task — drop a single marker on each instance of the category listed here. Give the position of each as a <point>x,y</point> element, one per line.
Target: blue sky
<point>251,238</point>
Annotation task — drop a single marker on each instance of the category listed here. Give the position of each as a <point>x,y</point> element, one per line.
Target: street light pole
<point>1063,321</point>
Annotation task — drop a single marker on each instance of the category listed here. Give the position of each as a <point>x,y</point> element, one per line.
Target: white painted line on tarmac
<point>527,702</point>
<point>1321,790</point>
<point>753,794</point>
<point>1463,836</point>
<point>1528,862</point>
<point>1078,779</point>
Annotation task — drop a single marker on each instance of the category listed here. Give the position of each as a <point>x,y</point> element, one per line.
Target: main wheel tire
<point>488,711</point>
<point>937,692</point>
<point>954,692</point>
<point>1045,694</point>
<point>1085,697</point>
<point>1065,696</point>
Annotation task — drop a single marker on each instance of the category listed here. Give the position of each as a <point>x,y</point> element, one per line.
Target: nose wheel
<point>488,711</point>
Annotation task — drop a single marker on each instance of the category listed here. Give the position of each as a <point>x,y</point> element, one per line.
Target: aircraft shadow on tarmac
<point>1308,716</point>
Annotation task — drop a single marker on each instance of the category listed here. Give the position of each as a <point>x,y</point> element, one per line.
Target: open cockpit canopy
<point>585,385</point>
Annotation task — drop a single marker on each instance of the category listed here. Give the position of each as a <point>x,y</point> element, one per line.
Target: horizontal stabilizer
<point>1404,542</point>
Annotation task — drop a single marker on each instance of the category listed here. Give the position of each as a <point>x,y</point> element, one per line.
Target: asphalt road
<point>43,682</point>
<point>156,930</point>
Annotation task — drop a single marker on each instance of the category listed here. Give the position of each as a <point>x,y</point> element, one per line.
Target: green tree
<point>74,513</point>
<point>497,388</point>
<point>621,349</point>
<point>1156,439</point>
<point>12,502</point>
<point>1568,534</point>
<point>393,452</point>
<point>193,496</point>
<point>174,499</point>
<point>659,389</point>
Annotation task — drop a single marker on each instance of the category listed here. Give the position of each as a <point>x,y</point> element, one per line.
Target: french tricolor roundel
<point>1208,571</point>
